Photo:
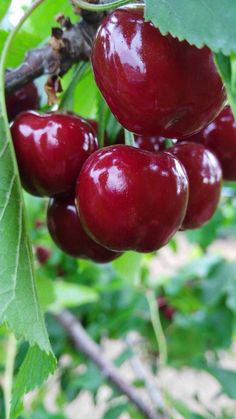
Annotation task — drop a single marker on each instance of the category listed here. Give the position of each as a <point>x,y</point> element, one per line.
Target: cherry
<point>131,199</point>
<point>165,308</point>
<point>42,254</point>
<point>51,150</point>
<point>22,100</point>
<point>205,178</point>
<point>154,84</point>
<point>220,137</point>
<point>151,143</point>
<point>67,232</point>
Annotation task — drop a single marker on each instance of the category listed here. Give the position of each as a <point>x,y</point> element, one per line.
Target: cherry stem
<point>82,4</point>
<point>157,327</point>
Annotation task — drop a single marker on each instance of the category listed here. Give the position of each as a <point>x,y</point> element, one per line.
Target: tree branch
<point>88,347</point>
<point>76,42</point>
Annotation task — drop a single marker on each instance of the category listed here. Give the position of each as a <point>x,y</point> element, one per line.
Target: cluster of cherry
<point>116,198</point>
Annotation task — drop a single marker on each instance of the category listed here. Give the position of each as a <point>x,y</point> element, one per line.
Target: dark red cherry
<point>68,234</point>
<point>154,84</point>
<point>151,143</point>
<point>131,199</point>
<point>42,254</point>
<point>22,100</point>
<point>205,178</point>
<point>51,150</point>
<point>165,308</point>
<point>220,137</point>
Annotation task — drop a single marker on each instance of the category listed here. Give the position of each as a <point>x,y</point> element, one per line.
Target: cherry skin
<point>22,100</point>
<point>165,308</point>
<point>67,232</point>
<point>51,150</point>
<point>205,179</point>
<point>42,254</point>
<point>151,143</point>
<point>220,138</point>
<point>131,199</point>
<point>154,84</point>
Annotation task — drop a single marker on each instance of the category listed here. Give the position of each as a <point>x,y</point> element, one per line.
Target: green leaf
<point>72,295</point>
<point>115,412</point>
<point>21,44</point>
<point>205,22</point>
<point>128,266</point>
<point>67,100</point>
<point>85,96</point>
<point>35,369</point>
<point>227,69</point>
<point>226,378</point>
<point>4,4</point>
<point>19,302</point>
<point>113,128</point>
<point>46,292</point>
<point>19,305</point>
<point>44,17</point>
<point>184,411</point>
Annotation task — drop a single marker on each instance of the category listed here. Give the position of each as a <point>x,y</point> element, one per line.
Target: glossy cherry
<point>51,150</point>
<point>151,143</point>
<point>22,100</point>
<point>154,84</point>
<point>131,199</point>
<point>205,178</point>
<point>220,137</point>
<point>67,232</point>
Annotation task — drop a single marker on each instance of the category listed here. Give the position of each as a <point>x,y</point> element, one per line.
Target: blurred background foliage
<point>187,291</point>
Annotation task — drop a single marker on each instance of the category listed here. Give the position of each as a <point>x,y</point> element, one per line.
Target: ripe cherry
<point>131,199</point>
<point>151,143</point>
<point>205,178</point>
<point>67,232</point>
<point>42,254</point>
<point>22,100</point>
<point>165,308</point>
<point>154,84</point>
<point>220,137</point>
<point>51,150</point>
